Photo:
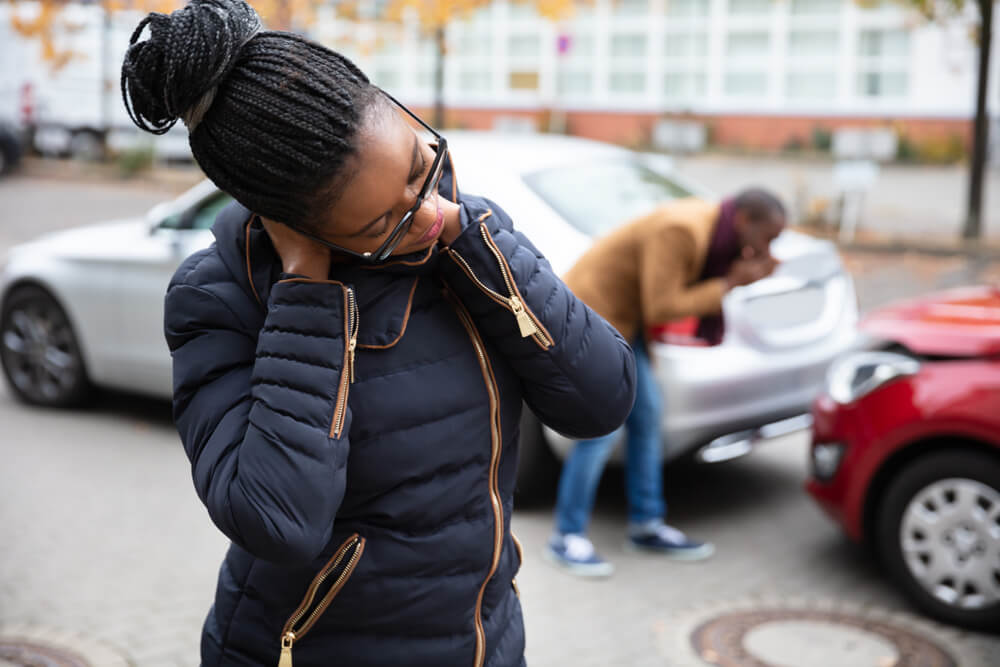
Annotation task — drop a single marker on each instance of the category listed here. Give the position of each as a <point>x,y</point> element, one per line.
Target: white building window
<point>815,7</point>
<point>631,7</point>
<point>628,45</point>
<point>752,44</point>
<point>883,63</point>
<point>687,45</point>
<point>474,44</point>
<point>814,43</point>
<point>883,84</point>
<point>687,8</point>
<point>684,86</point>
<point>387,78</point>
<point>750,7</point>
<point>475,81</point>
<point>627,82</point>
<point>575,83</point>
<point>746,84</point>
<point>524,46</point>
<point>884,44</point>
<point>811,86</point>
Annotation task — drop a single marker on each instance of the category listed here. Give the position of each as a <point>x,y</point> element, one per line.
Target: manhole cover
<point>28,654</point>
<point>777,631</point>
<point>786,638</point>
<point>35,646</point>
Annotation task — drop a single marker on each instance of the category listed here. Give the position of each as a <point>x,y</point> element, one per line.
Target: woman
<point>351,356</point>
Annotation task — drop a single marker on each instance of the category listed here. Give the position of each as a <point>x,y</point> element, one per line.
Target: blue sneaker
<point>659,538</point>
<point>575,553</point>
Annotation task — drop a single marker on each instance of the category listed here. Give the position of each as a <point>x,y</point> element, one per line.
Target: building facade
<point>757,73</point>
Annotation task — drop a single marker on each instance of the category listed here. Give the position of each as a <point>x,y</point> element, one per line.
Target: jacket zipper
<point>351,326</point>
<point>495,447</point>
<point>527,323</point>
<point>289,635</point>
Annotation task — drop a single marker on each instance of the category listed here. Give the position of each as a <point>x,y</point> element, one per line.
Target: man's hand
<point>748,270</point>
<point>299,254</point>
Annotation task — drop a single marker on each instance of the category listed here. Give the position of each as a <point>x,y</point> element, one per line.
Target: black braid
<point>285,114</point>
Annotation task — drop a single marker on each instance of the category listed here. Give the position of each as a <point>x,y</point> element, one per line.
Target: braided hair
<point>272,117</point>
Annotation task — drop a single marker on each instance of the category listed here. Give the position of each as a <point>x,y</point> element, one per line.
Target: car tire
<point>940,519</point>
<point>537,467</point>
<point>39,350</point>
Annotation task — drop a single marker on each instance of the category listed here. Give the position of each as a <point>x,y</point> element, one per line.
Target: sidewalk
<point>912,206</point>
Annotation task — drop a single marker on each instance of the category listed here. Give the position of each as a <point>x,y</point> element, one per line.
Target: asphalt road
<point>105,540</point>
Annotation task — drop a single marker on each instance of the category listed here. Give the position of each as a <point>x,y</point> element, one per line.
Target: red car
<point>906,451</point>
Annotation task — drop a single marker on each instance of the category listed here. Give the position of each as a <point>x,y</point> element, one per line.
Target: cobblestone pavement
<point>104,537</point>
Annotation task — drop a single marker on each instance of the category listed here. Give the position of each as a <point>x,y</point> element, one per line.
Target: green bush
<point>822,139</point>
<point>134,161</point>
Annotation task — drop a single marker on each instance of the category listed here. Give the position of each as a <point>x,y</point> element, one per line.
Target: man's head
<point>759,217</point>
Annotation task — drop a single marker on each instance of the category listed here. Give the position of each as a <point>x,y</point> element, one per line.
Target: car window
<point>595,198</point>
<point>204,217</point>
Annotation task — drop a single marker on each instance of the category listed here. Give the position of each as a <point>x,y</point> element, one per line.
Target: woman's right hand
<point>299,255</point>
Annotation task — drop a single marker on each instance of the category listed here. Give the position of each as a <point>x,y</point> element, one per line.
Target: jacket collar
<point>384,291</point>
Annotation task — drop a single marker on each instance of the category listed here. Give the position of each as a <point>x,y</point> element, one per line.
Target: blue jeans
<point>643,476</point>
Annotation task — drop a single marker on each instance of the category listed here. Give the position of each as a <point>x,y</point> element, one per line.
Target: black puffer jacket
<point>357,438</point>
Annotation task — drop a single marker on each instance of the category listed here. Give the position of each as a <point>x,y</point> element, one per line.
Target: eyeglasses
<point>403,226</point>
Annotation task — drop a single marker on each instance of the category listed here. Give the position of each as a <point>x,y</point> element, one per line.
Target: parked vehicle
<point>85,306</point>
<point>906,451</point>
<point>11,147</point>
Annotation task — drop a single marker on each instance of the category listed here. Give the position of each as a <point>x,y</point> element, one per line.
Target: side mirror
<point>156,215</point>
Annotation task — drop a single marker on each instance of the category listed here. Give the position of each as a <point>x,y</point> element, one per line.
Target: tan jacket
<point>646,272</point>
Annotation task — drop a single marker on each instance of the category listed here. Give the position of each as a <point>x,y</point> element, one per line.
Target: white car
<point>85,307</point>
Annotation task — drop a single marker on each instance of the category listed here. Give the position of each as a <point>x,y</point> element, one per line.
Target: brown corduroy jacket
<point>646,272</point>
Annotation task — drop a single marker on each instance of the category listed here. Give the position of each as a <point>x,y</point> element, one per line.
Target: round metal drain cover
<point>35,646</point>
<point>29,654</point>
<point>784,638</point>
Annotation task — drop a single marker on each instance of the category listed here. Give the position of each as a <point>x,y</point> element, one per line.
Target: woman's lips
<point>435,230</point>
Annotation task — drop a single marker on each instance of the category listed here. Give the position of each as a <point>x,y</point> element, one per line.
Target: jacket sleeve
<point>665,263</point>
<point>576,371</point>
<point>265,424</point>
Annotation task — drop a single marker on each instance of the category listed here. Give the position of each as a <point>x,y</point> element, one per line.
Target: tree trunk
<point>439,78</point>
<point>980,140</point>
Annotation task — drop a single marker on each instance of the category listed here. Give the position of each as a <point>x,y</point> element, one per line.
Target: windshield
<point>596,198</point>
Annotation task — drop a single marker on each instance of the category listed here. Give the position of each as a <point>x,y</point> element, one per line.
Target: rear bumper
<point>733,391</point>
<point>741,443</point>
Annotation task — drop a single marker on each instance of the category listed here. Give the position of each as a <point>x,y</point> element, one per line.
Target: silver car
<point>84,307</point>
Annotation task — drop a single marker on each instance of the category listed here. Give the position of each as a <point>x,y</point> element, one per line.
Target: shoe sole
<point>602,571</point>
<point>685,555</point>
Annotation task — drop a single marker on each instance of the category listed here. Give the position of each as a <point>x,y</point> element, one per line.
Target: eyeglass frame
<point>398,232</point>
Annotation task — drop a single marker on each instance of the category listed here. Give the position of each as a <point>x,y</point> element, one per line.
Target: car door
<point>143,272</point>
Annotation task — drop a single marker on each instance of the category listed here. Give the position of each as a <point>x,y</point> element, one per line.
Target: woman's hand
<point>452,221</point>
<point>299,255</point>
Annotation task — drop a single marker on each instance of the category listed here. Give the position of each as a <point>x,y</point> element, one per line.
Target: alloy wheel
<point>950,541</point>
<point>39,350</point>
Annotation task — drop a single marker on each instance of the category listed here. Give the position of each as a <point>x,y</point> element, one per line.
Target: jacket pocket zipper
<point>527,323</point>
<point>351,326</point>
<point>289,635</point>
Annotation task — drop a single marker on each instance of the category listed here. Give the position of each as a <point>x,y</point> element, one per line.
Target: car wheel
<point>939,536</point>
<point>537,466</point>
<point>39,350</point>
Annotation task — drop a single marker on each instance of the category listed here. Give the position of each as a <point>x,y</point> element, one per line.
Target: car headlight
<point>858,375</point>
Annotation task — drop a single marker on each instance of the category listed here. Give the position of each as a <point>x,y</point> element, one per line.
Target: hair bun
<point>174,73</point>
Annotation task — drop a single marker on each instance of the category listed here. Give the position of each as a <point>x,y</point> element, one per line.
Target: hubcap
<point>950,538</point>
<point>38,351</point>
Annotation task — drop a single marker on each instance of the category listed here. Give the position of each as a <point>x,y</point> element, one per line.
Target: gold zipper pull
<point>524,322</point>
<point>351,347</point>
<point>286,650</point>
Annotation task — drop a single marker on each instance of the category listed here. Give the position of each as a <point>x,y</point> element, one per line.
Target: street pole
<point>980,139</point>
<point>106,85</point>
<point>439,41</point>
